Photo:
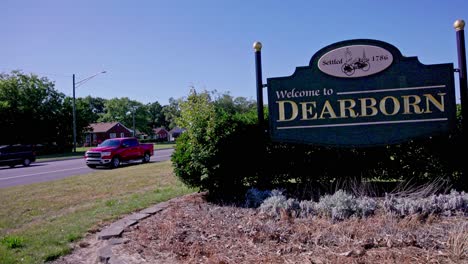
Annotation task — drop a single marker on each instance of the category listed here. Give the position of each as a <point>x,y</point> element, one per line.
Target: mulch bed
<point>192,230</point>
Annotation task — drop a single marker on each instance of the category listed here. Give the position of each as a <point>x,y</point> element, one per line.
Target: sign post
<point>262,180</point>
<point>459,26</point>
<point>258,73</point>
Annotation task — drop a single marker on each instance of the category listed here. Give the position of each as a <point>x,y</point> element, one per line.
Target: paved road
<point>53,170</point>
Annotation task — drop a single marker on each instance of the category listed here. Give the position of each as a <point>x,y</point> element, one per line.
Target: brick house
<point>105,130</point>
<point>160,134</point>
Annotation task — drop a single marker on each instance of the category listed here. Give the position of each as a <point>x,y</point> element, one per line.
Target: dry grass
<point>457,243</point>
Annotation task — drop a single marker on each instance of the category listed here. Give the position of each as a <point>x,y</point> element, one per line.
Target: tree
<point>123,109</point>
<point>32,111</point>
<point>155,114</point>
<point>231,105</point>
<point>88,110</point>
<point>95,105</point>
<point>171,113</point>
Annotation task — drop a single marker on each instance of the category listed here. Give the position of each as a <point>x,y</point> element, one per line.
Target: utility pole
<point>133,122</point>
<point>74,116</point>
<point>74,104</point>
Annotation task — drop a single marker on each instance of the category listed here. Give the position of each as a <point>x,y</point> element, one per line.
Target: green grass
<point>164,145</point>
<point>12,242</point>
<point>39,221</point>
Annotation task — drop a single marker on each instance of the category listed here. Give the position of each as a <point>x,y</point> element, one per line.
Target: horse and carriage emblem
<point>351,65</point>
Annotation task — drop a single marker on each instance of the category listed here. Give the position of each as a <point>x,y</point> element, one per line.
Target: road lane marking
<point>29,175</point>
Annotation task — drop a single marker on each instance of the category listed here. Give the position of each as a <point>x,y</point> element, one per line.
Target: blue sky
<point>154,50</point>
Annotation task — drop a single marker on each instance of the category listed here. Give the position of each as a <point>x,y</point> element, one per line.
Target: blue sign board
<point>361,93</point>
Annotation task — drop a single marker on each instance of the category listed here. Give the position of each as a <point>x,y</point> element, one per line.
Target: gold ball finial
<point>257,46</point>
<point>459,24</point>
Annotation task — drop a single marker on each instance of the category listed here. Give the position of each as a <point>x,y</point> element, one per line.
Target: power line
<point>37,73</point>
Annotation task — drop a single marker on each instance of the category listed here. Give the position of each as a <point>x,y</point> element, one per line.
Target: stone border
<point>113,232</point>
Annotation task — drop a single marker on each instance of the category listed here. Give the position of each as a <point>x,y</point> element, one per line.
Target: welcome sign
<point>361,93</point>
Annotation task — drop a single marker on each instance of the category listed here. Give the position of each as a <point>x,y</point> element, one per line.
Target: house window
<point>122,134</point>
<point>112,135</point>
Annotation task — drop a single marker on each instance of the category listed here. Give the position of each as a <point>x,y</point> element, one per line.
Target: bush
<point>445,204</point>
<point>148,140</point>
<point>342,205</point>
<point>47,149</point>
<point>418,161</point>
<point>275,204</point>
<point>206,157</point>
<point>307,208</point>
<point>339,206</point>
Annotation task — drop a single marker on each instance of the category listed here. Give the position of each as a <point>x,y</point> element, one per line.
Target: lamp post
<point>133,108</point>
<point>75,85</point>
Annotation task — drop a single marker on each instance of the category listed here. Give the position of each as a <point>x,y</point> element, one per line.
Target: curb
<point>58,159</point>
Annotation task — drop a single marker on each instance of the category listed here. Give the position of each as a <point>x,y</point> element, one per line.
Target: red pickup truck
<point>113,151</point>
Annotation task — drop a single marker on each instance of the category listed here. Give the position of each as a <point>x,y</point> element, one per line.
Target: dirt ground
<point>192,230</point>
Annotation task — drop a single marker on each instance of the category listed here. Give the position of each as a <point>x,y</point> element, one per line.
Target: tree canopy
<point>32,111</point>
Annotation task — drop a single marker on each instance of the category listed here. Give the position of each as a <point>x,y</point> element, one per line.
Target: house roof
<point>176,130</point>
<point>159,129</point>
<point>105,126</point>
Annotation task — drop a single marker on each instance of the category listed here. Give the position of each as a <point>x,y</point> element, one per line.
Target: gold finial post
<point>258,73</point>
<point>257,46</point>
<point>459,24</point>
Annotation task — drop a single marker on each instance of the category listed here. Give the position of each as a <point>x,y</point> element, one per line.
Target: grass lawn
<point>38,221</point>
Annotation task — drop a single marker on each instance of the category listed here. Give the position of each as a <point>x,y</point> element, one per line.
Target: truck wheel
<point>26,162</point>
<point>91,166</point>
<point>115,162</point>
<point>146,158</point>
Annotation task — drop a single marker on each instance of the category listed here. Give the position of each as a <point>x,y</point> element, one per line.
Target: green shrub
<point>207,156</point>
<point>148,140</point>
<point>224,152</point>
<point>419,161</point>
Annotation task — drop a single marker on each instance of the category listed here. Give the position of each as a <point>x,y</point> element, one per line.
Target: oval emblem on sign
<point>355,61</point>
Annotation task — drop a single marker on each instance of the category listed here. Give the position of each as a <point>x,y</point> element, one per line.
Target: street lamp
<point>75,85</point>
<point>134,108</point>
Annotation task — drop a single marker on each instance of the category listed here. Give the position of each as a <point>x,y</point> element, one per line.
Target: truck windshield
<point>110,143</point>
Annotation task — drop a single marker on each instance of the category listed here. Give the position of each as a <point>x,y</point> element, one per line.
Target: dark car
<point>12,155</point>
